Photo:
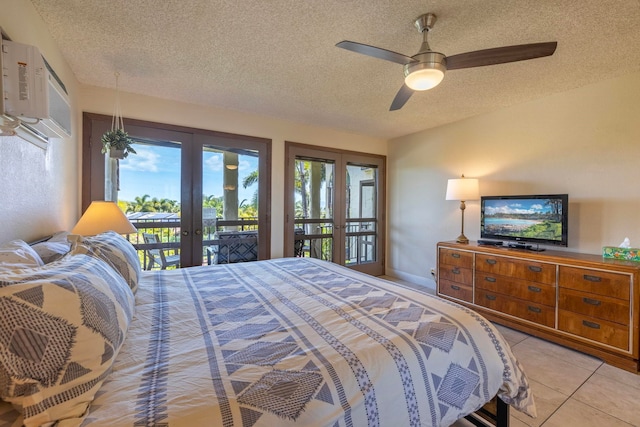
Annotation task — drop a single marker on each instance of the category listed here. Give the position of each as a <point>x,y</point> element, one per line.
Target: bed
<point>282,342</point>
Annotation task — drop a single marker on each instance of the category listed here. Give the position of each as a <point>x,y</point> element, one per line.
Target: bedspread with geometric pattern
<point>297,341</point>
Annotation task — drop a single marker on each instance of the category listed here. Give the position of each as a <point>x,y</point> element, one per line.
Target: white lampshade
<point>103,216</point>
<point>463,189</point>
<point>424,79</point>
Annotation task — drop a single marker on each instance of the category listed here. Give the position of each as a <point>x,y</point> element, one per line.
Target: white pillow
<point>18,254</point>
<point>54,248</point>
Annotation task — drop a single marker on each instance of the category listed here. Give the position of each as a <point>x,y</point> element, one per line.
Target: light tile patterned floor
<point>570,388</point>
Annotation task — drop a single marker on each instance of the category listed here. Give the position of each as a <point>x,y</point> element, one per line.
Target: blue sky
<point>155,171</point>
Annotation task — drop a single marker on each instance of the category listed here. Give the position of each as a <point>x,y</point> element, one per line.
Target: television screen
<point>539,219</point>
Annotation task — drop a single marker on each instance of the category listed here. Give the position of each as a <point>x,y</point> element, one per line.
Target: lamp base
<point>462,239</point>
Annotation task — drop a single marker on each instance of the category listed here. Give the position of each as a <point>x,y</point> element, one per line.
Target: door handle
<point>185,233</point>
<point>198,232</point>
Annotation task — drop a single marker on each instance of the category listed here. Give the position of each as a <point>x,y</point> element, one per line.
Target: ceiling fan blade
<point>401,98</point>
<point>500,55</point>
<point>376,52</point>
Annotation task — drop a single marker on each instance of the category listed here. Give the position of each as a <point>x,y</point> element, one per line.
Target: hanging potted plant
<point>116,141</point>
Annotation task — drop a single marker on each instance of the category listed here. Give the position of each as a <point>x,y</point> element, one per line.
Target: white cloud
<point>213,162</point>
<point>244,165</point>
<point>146,160</point>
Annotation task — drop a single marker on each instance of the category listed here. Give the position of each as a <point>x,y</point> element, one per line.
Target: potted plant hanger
<point>117,143</point>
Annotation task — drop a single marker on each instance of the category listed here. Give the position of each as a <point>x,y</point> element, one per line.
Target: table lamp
<point>103,216</point>
<point>462,189</point>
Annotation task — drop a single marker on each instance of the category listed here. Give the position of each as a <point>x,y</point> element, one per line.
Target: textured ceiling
<point>278,57</point>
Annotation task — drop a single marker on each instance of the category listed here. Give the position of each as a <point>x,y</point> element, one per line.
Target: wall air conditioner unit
<point>32,94</point>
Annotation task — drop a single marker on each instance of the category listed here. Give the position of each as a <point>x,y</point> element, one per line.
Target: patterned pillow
<point>18,254</point>
<point>61,327</point>
<point>54,248</point>
<point>115,250</point>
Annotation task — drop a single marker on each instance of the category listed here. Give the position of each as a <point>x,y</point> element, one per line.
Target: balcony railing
<point>313,237</point>
<point>167,227</point>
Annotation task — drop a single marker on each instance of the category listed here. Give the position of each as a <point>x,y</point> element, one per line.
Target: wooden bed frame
<point>494,413</point>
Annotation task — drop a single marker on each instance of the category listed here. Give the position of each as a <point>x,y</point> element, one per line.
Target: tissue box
<point>627,254</point>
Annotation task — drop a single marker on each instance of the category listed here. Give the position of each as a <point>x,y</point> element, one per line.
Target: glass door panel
<point>147,187</point>
<point>230,204</point>
<point>361,214</point>
<point>314,198</point>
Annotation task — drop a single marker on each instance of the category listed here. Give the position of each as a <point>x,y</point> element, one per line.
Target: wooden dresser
<point>578,300</point>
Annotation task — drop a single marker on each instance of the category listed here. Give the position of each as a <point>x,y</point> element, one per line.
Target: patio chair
<point>157,255</point>
<point>231,251</point>
<point>298,245</point>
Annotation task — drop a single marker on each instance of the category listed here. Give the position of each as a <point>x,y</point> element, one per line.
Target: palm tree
<point>248,181</point>
<point>213,202</point>
<point>141,204</point>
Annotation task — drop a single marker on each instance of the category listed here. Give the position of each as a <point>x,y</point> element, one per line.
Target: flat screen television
<point>535,219</point>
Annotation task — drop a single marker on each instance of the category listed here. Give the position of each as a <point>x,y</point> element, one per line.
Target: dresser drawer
<point>456,274</point>
<point>522,289</point>
<point>521,269</point>
<point>593,305</point>
<point>531,311</point>
<point>610,333</point>
<point>606,283</point>
<point>456,290</point>
<point>457,258</point>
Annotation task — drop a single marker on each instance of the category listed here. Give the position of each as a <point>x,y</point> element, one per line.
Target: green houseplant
<point>117,143</point>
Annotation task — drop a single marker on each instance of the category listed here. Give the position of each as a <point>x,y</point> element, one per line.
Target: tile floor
<point>571,388</point>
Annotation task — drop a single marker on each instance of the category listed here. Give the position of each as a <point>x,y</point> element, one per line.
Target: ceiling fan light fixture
<point>424,79</point>
<point>427,72</point>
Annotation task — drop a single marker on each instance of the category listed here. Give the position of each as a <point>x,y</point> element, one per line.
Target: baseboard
<point>412,278</point>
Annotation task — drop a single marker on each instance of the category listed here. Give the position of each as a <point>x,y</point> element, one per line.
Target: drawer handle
<point>490,279</point>
<point>534,289</point>
<point>492,261</point>
<point>591,325</point>
<point>455,270</point>
<point>491,297</point>
<point>590,278</point>
<point>535,268</point>
<point>454,255</point>
<point>534,309</point>
<point>591,301</point>
<point>455,288</point>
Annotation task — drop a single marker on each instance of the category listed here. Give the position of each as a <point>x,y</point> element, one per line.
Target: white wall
<point>98,100</point>
<point>584,142</point>
<point>38,189</point>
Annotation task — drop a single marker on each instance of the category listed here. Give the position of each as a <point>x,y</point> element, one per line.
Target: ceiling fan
<point>425,70</point>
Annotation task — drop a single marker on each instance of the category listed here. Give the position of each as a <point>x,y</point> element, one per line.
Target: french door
<point>184,185</point>
<point>335,206</point>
